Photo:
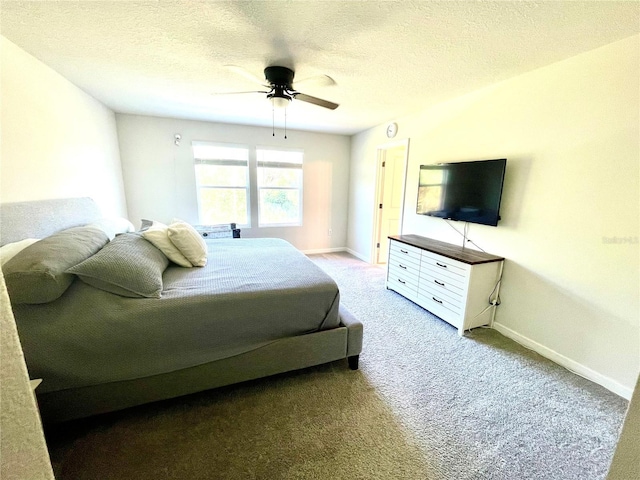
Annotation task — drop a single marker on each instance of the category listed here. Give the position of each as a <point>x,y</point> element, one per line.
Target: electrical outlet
<point>330,232</point>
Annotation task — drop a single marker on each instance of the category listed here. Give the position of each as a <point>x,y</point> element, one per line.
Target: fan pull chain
<point>273,121</point>
<point>285,123</point>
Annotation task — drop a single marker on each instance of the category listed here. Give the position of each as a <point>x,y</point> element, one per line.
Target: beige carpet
<point>425,404</point>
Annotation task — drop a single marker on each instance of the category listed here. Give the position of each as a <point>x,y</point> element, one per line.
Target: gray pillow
<point>128,266</point>
<point>145,224</point>
<point>37,274</point>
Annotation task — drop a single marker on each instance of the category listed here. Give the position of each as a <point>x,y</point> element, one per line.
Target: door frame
<point>380,154</point>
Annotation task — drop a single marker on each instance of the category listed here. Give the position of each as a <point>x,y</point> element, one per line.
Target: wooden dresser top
<point>464,255</point>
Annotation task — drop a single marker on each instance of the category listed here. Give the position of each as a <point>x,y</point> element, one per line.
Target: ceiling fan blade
<point>246,74</point>
<point>316,101</point>
<point>316,81</point>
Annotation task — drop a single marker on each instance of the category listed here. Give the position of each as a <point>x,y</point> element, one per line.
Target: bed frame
<point>39,219</point>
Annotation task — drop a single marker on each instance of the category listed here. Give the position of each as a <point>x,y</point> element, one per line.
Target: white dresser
<point>457,284</point>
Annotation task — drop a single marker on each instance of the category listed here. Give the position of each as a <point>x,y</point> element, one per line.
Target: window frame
<point>221,162</point>
<point>280,165</point>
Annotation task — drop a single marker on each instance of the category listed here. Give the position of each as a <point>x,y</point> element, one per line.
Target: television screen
<point>464,191</point>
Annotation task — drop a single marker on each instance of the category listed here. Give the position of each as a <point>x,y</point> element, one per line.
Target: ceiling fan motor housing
<point>279,76</point>
<point>281,82</point>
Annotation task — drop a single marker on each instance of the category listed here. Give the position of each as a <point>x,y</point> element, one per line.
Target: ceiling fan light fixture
<point>280,102</point>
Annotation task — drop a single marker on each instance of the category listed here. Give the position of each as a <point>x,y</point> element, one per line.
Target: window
<point>225,182</point>
<point>222,178</point>
<point>279,187</point>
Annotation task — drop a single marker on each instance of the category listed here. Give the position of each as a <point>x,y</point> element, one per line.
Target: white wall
<point>57,141</point>
<point>160,178</point>
<point>570,132</point>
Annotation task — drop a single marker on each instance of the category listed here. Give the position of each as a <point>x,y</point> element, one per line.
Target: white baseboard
<point>356,254</point>
<point>341,249</point>
<point>566,362</point>
<point>324,250</point>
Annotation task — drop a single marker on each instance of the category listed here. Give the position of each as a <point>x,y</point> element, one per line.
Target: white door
<point>391,197</point>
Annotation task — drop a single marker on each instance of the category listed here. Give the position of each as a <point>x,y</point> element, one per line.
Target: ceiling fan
<point>279,82</point>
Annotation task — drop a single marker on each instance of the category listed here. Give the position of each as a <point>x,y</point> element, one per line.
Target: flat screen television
<point>463,191</point>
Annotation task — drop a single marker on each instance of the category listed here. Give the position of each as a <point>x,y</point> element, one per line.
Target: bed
<point>257,308</point>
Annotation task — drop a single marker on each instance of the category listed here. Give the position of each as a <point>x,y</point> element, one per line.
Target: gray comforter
<point>252,292</point>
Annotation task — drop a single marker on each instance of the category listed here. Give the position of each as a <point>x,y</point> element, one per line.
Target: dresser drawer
<point>407,274</point>
<point>403,287</point>
<point>404,260</point>
<point>451,285</point>
<point>455,299</point>
<point>410,279</point>
<point>442,308</point>
<point>405,251</point>
<point>444,266</point>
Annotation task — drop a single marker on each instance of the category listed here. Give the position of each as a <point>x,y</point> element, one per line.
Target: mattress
<point>251,292</point>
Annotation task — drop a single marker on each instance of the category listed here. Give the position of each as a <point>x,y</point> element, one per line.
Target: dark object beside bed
<point>258,308</point>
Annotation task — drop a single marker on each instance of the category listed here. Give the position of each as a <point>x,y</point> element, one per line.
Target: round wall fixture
<point>392,129</point>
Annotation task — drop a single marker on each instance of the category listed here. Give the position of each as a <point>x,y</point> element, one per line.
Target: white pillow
<point>158,235</point>
<point>10,250</point>
<point>112,226</point>
<point>189,242</point>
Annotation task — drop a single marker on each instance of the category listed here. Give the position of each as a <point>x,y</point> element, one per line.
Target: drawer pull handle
<point>439,301</point>
<point>403,251</point>
<point>402,266</point>
<point>441,265</point>
<point>404,283</point>
<point>441,284</point>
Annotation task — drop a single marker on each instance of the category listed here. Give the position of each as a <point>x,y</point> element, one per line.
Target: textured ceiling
<point>387,58</point>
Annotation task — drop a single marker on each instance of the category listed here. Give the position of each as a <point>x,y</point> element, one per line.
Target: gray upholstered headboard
<point>41,218</point>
